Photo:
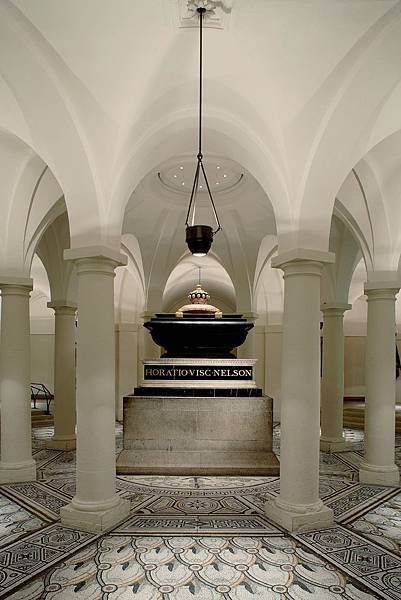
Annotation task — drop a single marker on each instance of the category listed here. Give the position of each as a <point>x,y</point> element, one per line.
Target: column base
<point>95,521</point>
<point>60,442</point>
<point>17,472</point>
<point>379,474</point>
<point>331,445</point>
<point>296,521</point>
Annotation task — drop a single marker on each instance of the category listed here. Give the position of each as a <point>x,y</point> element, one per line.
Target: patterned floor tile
<point>355,555</point>
<point>382,524</point>
<point>61,483</point>
<point>37,552</point>
<point>353,458</point>
<point>16,522</point>
<point>202,538</point>
<point>388,582</point>
<point>66,485</point>
<point>335,464</point>
<point>217,487</point>
<point>329,487</point>
<point>196,568</point>
<point>187,505</point>
<point>192,524</point>
<point>357,500</point>
<point>36,498</point>
<point>44,456</point>
<point>65,464</point>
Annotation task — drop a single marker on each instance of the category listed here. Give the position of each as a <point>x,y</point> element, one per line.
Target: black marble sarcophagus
<point>198,335</point>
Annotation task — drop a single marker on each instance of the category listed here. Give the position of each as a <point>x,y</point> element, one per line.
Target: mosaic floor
<point>200,538</point>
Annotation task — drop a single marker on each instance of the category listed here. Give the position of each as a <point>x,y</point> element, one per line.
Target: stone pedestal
<point>198,416</point>
<point>202,435</point>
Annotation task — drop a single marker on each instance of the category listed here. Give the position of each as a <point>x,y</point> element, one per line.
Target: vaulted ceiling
<point>99,107</point>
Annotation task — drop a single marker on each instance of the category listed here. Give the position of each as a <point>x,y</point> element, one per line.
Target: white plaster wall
<point>254,347</point>
<point>42,359</point>
<point>273,340</point>
<point>126,363</point>
<point>260,348</point>
<point>354,365</point>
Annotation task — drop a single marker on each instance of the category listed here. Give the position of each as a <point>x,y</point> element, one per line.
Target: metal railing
<point>40,392</point>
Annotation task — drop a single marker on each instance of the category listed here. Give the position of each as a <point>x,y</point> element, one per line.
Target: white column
<point>378,465</point>
<point>96,506</point>
<point>332,387</point>
<point>16,442</point>
<point>64,377</point>
<point>298,506</point>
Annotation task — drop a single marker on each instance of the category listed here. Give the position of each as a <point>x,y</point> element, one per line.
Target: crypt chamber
<point>154,392</point>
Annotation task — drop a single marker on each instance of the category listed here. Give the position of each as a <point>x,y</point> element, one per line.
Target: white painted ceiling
<point>301,113</point>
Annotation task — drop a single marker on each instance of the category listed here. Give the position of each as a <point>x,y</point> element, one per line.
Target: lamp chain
<point>201,11</point>
<point>199,166</point>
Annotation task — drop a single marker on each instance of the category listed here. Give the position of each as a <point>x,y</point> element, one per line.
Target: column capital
<point>303,255</point>
<point>100,265</point>
<point>62,308</point>
<point>96,253</point>
<point>384,290</point>
<point>302,267</point>
<point>334,308</point>
<point>22,283</point>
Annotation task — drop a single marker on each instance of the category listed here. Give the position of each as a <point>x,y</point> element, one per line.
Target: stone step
<point>354,416</point>
<point>39,418</point>
<point>45,422</point>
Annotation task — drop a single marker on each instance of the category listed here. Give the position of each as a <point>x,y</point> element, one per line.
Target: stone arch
<point>50,249</point>
<point>368,201</point>
<point>214,277</point>
<point>268,284</point>
<point>32,199</point>
<point>43,92</point>
<point>346,109</point>
<point>175,135</point>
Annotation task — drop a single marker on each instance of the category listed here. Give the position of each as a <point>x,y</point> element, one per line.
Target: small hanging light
<point>200,237</point>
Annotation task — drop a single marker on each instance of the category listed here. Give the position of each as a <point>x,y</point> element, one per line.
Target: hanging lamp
<point>199,238</point>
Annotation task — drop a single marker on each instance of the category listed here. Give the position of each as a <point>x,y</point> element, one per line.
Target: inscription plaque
<point>192,372</point>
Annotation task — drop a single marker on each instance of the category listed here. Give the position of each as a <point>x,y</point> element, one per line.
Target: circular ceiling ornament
<point>222,177</point>
<point>207,5</point>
